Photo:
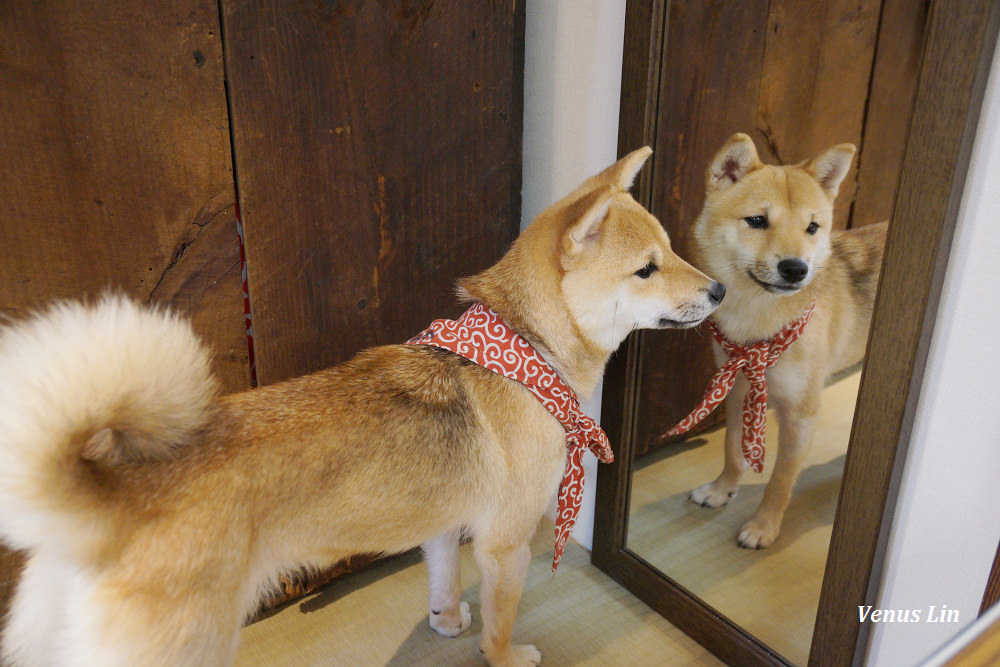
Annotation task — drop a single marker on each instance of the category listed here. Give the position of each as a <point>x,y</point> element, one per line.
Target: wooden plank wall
<point>375,165</point>
<point>797,76</point>
<point>893,86</point>
<point>116,163</point>
<point>378,149</point>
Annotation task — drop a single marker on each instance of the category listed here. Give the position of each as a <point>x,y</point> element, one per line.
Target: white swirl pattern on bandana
<point>481,336</point>
<point>753,360</point>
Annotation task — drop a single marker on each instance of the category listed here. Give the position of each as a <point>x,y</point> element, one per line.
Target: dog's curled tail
<point>84,392</point>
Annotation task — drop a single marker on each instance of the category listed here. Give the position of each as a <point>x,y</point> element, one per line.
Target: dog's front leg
<point>503,569</point>
<point>796,424</point>
<point>448,614</point>
<point>725,486</point>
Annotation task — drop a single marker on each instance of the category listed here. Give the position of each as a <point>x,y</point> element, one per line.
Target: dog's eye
<point>647,270</point>
<point>756,221</point>
<point>812,228</point>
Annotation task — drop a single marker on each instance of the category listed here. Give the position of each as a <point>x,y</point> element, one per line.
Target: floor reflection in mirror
<point>772,593</point>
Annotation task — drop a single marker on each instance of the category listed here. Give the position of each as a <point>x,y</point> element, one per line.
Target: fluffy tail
<point>83,391</point>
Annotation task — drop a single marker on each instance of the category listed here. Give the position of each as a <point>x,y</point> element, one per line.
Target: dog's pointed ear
<point>622,173</point>
<point>736,159</point>
<point>831,166</point>
<point>586,227</point>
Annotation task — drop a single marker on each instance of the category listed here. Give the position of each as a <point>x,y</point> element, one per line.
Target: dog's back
<point>846,288</point>
<point>858,252</point>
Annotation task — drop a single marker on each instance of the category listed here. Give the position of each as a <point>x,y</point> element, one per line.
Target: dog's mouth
<point>667,323</point>
<point>775,288</point>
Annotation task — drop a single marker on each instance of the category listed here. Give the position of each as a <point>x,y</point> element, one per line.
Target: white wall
<point>572,84</point>
<point>947,522</point>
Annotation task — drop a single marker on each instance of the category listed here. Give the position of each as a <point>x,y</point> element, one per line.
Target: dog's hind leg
<point>123,622</point>
<point>36,618</point>
<point>503,568</point>
<point>448,614</point>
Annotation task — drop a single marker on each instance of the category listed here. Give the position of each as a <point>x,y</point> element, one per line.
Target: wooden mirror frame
<point>957,54</point>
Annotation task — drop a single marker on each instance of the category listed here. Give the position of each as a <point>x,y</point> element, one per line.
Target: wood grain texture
<point>814,86</point>
<point>702,101</point>
<point>378,160</point>
<point>890,100</point>
<point>114,160</point>
<point>957,53</point>
<point>378,157</point>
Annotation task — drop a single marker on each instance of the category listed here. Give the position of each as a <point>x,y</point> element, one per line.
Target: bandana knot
<point>481,336</point>
<point>753,360</point>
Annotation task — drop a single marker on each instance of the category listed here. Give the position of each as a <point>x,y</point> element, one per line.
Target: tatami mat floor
<point>379,617</point>
<point>773,593</point>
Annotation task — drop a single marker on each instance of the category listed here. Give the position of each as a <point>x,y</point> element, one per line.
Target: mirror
<point>793,602</point>
<point>772,593</point>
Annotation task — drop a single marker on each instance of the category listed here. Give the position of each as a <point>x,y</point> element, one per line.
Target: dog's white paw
<point>452,625</point>
<point>714,494</point>
<point>516,655</point>
<point>758,533</point>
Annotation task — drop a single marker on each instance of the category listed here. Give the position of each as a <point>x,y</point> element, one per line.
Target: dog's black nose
<point>793,270</point>
<point>716,293</point>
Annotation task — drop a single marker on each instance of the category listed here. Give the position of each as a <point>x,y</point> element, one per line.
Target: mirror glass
<point>798,79</point>
<point>772,593</point>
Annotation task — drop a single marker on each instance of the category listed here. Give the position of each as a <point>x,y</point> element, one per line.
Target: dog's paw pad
<point>453,624</point>
<point>757,534</point>
<point>713,495</point>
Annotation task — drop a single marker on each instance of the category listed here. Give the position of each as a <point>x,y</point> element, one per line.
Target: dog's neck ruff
<point>753,360</point>
<point>481,336</point>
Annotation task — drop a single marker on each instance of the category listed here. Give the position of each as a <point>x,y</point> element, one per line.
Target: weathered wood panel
<point>115,162</point>
<point>813,94</point>
<point>378,160</point>
<point>890,99</point>
<point>702,101</point>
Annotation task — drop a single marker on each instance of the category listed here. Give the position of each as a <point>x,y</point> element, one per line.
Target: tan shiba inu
<point>765,231</point>
<point>156,513</point>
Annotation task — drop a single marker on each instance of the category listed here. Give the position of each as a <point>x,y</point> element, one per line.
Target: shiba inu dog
<point>766,232</point>
<point>156,513</point>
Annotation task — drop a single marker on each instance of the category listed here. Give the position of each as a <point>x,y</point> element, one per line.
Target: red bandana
<point>482,337</point>
<point>754,359</point>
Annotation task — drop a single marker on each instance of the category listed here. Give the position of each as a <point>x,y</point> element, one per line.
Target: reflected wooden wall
<point>797,76</point>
